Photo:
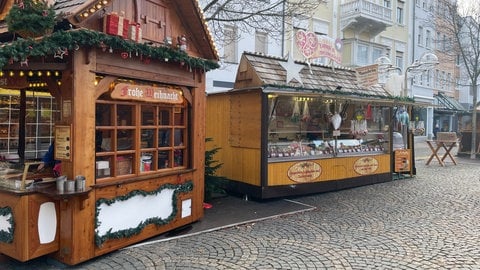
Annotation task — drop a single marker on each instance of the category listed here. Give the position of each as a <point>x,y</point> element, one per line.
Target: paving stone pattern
<point>430,221</point>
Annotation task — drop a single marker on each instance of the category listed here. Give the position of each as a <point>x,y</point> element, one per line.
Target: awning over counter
<point>446,103</point>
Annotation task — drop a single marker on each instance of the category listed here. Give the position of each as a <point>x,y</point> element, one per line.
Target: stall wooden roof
<point>267,72</point>
<point>189,10</point>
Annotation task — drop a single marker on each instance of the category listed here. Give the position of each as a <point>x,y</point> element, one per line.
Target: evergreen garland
<point>7,236</point>
<point>182,188</point>
<point>21,49</point>
<point>32,17</point>
<point>341,93</point>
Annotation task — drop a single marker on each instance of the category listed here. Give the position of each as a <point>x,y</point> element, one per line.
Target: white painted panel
<point>122,215</point>
<point>47,223</point>
<point>186,208</point>
<point>4,223</point>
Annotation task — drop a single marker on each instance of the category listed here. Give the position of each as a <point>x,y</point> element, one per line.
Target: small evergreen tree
<point>213,184</point>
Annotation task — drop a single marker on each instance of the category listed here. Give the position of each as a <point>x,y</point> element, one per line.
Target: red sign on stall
<point>147,93</point>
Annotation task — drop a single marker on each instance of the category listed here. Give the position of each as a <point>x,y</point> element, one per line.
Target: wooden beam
<point>104,85</point>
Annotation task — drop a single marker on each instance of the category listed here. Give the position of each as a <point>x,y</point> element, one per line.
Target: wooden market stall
<point>127,81</point>
<point>319,131</point>
<point>465,133</point>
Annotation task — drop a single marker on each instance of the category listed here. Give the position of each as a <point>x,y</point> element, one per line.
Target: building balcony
<point>365,16</point>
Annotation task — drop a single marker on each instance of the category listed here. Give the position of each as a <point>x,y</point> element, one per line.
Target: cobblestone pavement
<point>430,221</point>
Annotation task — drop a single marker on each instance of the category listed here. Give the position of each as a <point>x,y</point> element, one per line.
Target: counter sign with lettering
<point>147,93</point>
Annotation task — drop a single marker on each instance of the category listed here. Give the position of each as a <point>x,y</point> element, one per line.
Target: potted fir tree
<point>31,18</point>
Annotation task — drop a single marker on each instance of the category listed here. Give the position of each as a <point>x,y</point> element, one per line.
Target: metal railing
<point>367,9</point>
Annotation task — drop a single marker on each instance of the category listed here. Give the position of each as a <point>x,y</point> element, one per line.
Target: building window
<point>399,59</point>
<point>442,80</point>
<point>230,44</point>
<point>437,40</point>
<point>449,81</point>
<point>300,22</point>
<point>428,39</point>
<point>428,75</point>
<point>444,42</point>
<point>400,15</point>
<point>420,36</point>
<point>320,27</point>
<point>136,138</point>
<point>261,42</point>
<point>387,3</point>
<point>376,53</point>
<point>362,55</point>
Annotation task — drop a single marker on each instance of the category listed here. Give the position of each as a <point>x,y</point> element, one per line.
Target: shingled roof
<point>268,73</point>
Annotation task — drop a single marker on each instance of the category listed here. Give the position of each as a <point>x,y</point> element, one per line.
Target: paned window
<point>140,138</point>
<point>230,44</point>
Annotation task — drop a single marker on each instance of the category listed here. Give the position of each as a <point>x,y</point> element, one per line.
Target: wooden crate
<point>124,166</point>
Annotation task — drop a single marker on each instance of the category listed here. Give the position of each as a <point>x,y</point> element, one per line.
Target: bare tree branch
<point>250,15</point>
<point>465,28</point>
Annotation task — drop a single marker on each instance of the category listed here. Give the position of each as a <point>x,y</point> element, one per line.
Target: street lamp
<point>427,62</point>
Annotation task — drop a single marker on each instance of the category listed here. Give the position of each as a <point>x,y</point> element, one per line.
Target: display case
<point>40,117</point>
<point>303,128</point>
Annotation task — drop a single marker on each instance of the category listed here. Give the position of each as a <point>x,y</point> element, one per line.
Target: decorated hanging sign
<point>365,165</point>
<point>303,172</point>
<point>147,93</point>
<point>367,75</point>
<point>311,46</point>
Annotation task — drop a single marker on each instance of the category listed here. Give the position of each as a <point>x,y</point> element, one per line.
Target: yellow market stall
<point>321,131</point>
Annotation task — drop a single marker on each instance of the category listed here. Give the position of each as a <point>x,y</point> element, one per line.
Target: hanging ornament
<point>24,63</point>
<point>10,61</point>
<point>124,55</point>
<point>110,50</point>
<point>59,53</point>
<point>21,5</point>
<point>103,46</point>
<point>45,13</point>
<point>336,121</point>
<point>182,42</point>
<point>306,112</point>
<point>368,113</point>
<point>296,112</point>
<point>166,59</point>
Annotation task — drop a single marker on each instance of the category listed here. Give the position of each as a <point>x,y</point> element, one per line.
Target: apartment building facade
<point>400,30</point>
<point>369,29</point>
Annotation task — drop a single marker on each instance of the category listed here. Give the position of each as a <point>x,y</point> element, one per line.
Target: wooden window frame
<point>136,157</point>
